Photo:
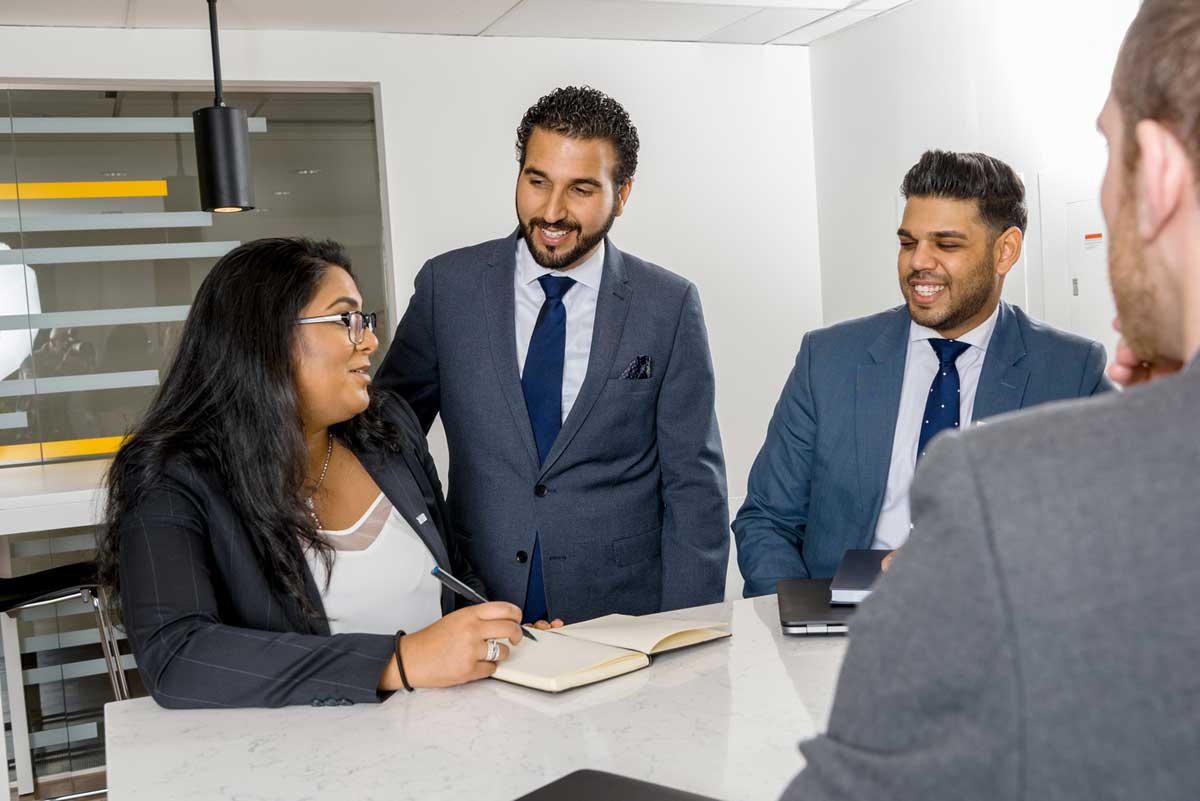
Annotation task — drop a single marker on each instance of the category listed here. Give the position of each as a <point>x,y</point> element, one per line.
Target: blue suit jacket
<point>817,486</point>
<point>630,503</point>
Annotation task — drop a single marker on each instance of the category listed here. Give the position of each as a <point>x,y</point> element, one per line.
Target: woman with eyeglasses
<point>272,523</point>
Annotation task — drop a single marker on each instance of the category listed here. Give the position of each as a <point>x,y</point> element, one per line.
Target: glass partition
<point>102,248</point>
<point>103,245</point>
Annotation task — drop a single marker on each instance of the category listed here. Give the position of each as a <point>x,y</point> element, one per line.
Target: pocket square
<point>638,369</point>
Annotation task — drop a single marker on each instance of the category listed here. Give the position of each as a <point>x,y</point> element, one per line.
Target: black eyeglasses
<point>357,323</point>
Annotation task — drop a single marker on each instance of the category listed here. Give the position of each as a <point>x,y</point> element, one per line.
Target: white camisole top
<point>381,578</point>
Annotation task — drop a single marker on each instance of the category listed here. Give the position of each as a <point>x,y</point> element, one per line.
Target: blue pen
<point>466,592</point>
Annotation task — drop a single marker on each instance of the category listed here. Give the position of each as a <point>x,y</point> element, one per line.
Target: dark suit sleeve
<point>928,702</point>
<point>410,368</point>
<point>695,536</point>
<point>770,525</point>
<point>1094,379</point>
<point>188,658</point>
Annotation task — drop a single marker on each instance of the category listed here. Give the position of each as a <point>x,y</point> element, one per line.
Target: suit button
<point>540,490</point>
<point>522,557</point>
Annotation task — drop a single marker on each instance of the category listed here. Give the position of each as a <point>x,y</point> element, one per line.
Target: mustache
<point>926,276</point>
<point>562,225</point>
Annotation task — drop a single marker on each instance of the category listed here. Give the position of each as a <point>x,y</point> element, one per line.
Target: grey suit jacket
<point>630,504</point>
<point>1039,635</point>
<point>818,483</point>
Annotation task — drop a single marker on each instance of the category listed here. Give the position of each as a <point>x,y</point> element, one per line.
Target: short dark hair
<point>1158,74</point>
<point>582,112</point>
<point>990,182</point>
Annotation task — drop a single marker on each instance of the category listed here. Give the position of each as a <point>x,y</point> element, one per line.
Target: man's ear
<point>623,196</point>
<point>1006,250</point>
<point>1164,174</point>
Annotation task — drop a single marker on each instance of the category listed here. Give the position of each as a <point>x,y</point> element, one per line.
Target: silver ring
<point>493,651</point>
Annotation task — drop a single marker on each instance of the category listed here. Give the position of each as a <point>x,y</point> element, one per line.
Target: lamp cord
<point>219,100</point>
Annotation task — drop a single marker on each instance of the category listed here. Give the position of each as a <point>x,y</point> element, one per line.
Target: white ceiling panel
<point>823,27</point>
<point>466,17</point>
<point>879,5</point>
<point>766,25</point>
<point>76,13</point>
<point>785,22</point>
<point>823,5</point>
<point>617,19</point>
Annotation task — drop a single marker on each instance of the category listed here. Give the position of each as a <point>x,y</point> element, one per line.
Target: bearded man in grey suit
<point>576,389</point>
<point>1038,636</point>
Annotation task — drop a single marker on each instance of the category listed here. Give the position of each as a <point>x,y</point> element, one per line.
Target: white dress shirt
<point>580,303</point>
<point>920,368</point>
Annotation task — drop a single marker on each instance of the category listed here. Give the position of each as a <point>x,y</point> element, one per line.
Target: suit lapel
<point>397,480</point>
<point>876,401</point>
<point>612,307</point>
<point>1001,382</point>
<point>499,301</point>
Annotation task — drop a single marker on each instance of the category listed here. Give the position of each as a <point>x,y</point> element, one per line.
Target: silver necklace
<point>324,469</point>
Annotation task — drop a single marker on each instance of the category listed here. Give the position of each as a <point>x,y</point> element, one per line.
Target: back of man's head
<point>1158,74</point>
<point>992,184</point>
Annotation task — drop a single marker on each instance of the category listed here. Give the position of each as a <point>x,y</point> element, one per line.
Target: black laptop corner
<point>804,608</point>
<point>597,785</point>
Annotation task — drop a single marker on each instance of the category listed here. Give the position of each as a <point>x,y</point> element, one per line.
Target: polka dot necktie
<point>942,408</point>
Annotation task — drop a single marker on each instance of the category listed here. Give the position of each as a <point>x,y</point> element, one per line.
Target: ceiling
<point>777,22</point>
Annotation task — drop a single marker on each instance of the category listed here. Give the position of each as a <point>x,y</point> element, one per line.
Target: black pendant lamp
<point>222,144</point>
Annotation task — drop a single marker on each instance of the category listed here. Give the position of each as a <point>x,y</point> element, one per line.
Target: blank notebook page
<point>646,634</point>
<point>556,662</point>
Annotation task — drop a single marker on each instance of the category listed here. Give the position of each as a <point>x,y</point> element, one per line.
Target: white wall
<point>724,194</point>
<point>1022,80</point>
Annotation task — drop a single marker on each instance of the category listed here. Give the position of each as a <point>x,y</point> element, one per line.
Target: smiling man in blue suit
<point>576,388</point>
<point>867,396</point>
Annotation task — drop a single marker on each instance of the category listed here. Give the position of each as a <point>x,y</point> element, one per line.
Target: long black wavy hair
<point>228,405</point>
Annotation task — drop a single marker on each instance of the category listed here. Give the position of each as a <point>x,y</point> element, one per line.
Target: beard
<point>1130,280</point>
<point>562,259</point>
<point>970,294</point>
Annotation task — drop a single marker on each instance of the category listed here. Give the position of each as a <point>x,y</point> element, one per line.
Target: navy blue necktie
<point>942,408</point>
<point>542,384</point>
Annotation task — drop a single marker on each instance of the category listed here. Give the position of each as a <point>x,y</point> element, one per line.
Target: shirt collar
<point>588,273</point>
<point>977,337</point>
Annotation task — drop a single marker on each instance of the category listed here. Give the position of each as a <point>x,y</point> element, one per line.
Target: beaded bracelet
<point>400,662</point>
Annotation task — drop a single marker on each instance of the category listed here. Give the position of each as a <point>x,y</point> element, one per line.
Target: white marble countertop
<point>723,719</point>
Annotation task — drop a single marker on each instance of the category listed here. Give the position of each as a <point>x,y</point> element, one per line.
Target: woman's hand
<point>544,626</point>
<point>452,650</point>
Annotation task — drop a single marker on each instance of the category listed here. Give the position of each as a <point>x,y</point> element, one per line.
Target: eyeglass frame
<point>344,318</point>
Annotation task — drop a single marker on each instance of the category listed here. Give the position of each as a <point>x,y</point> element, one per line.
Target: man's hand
<point>1127,369</point>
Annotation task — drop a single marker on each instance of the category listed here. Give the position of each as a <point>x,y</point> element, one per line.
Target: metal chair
<point>60,584</point>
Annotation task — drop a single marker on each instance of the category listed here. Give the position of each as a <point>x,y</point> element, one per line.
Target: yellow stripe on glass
<point>62,449</point>
<point>73,190</point>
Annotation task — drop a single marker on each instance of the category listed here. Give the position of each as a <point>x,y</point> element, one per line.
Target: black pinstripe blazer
<point>206,629</point>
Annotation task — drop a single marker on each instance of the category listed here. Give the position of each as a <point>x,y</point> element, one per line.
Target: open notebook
<point>599,649</point>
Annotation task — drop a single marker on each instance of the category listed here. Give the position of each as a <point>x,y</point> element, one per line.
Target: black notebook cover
<point>596,785</point>
<point>855,575</point>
